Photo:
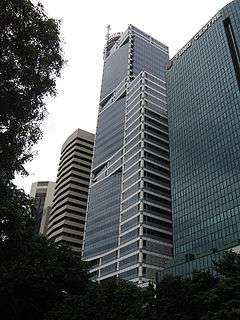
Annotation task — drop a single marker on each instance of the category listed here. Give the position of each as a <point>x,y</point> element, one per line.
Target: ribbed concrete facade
<point>67,217</point>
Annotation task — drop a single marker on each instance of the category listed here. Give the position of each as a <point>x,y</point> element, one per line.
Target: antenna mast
<point>108,27</point>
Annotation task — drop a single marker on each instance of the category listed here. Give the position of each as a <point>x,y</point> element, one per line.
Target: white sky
<point>172,22</point>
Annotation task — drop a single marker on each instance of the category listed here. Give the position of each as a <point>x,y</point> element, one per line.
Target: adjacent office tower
<point>128,229</point>
<point>67,217</point>
<point>42,192</point>
<point>203,86</point>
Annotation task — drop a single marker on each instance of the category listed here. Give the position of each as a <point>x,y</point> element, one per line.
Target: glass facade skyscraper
<point>203,89</point>
<point>128,228</point>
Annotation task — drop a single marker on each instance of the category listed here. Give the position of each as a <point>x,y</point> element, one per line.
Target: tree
<point>223,300</point>
<point>81,306</point>
<point>229,265</point>
<point>121,300</point>
<point>149,302</point>
<point>112,299</point>
<point>30,60</point>
<point>16,219</point>
<point>38,276</point>
<point>171,296</point>
<point>183,299</point>
<point>203,296</point>
<point>34,273</point>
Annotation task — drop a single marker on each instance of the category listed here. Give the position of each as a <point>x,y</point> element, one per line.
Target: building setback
<point>67,217</point>
<point>203,89</point>
<point>128,229</point>
<point>42,192</point>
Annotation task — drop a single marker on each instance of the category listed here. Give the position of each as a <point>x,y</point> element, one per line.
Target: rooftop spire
<point>108,27</point>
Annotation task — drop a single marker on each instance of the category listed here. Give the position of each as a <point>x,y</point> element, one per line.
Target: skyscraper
<point>203,86</point>
<point>128,229</point>
<point>67,217</point>
<point>42,192</point>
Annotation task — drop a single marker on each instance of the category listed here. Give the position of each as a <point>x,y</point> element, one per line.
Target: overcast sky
<point>172,22</point>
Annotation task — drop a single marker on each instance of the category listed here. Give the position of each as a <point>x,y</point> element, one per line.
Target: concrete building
<point>129,229</point>
<point>42,192</point>
<point>203,90</point>
<point>67,217</point>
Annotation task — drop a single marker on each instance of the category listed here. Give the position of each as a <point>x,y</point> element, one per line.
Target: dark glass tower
<point>128,229</point>
<point>203,86</point>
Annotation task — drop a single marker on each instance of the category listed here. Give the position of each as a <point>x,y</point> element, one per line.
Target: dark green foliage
<point>171,296</point>
<point>120,300</point>
<point>223,301</point>
<point>183,299</point>
<point>149,302</point>
<point>75,307</point>
<point>203,297</point>
<point>113,299</point>
<point>30,61</point>
<point>16,218</point>
<point>229,266</point>
<point>51,283</point>
<point>35,273</point>
<point>32,281</point>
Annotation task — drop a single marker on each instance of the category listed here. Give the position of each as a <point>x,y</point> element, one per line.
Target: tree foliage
<point>16,218</point>
<point>35,273</point>
<point>30,60</point>
<point>223,301</point>
<point>183,299</point>
<point>37,277</point>
<point>204,296</point>
<point>112,299</point>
